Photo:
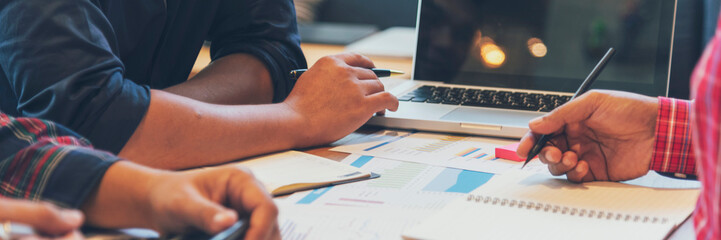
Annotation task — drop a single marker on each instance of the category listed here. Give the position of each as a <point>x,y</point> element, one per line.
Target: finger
<point>262,220</point>
<point>249,197</point>
<point>371,86</point>
<point>382,100</point>
<point>364,73</point>
<point>550,155</point>
<point>574,111</point>
<point>74,235</point>
<point>567,163</point>
<point>43,217</point>
<point>356,60</point>
<point>275,235</point>
<point>526,144</point>
<point>207,215</point>
<point>579,173</point>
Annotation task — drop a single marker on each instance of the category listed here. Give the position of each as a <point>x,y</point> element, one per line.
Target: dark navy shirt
<point>89,64</point>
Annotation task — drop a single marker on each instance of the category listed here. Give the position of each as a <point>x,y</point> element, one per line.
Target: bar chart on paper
<point>404,185</point>
<point>463,152</point>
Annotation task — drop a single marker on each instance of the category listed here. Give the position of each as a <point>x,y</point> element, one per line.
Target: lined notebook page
<point>298,168</point>
<point>488,212</point>
<point>674,204</point>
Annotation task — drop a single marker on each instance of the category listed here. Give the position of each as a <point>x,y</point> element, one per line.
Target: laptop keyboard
<point>486,98</point>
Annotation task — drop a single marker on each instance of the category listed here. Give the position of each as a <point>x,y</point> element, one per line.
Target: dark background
<point>695,24</point>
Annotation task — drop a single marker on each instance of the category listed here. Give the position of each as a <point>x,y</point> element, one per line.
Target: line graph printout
<point>402,185</point>
<point>463,152</point>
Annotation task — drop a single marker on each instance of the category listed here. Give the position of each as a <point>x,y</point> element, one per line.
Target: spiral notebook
<point>520,205</point>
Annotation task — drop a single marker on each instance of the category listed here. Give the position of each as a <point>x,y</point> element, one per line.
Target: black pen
<point>295,74</point>
<point>584,87</point>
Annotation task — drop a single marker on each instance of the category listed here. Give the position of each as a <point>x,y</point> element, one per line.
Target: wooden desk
<point>313,52</point>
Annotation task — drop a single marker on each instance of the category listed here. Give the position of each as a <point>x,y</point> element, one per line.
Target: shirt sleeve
<point>266,29</point>
<point>60,59</point>
<point>43,161</point>
<point>673,150</point>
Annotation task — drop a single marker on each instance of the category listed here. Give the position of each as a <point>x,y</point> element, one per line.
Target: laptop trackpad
<point>498,117</point>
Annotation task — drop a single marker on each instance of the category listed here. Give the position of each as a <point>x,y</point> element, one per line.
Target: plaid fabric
<point>43,161</point>
<point>705,121</point>
<point>673,151</point>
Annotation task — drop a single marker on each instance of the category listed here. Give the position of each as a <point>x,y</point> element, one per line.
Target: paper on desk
<point>596,210</point>
<point>404,185</point>
<point>291,171</point>
<point>470,153</point>
<point>299,222</point>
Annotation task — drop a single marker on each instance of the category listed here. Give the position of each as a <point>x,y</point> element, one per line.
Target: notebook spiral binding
<point>580,212</point>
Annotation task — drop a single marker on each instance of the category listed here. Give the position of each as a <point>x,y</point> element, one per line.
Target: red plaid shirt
<point>681,123</point>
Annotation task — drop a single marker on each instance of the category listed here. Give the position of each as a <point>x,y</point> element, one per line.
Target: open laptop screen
<point>546,45</point>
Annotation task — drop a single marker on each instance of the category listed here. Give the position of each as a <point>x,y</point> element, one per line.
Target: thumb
<point>577,110</point>
<point>209,216</point>
<point>43,217</point>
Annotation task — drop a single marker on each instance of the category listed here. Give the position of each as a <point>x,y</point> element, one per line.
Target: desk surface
<point>313,52</point>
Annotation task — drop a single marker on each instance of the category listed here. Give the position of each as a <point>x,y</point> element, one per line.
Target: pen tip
<point>397,72</point>
<point>528,159</point>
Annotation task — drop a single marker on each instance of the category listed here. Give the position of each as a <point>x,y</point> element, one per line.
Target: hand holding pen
<point>582,89</point>
<point>600,136</point>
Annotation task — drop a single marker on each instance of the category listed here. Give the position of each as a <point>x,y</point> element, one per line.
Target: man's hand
<point>196,199</point>
<point>209,200</point>
<point>600,136</point>
<point>44,218</point>
<point>336,96</point>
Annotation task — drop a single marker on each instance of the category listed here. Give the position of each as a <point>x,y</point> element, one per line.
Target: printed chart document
<point>379,208</point>
<point>520,205</point>
<point>404,185</point>
<point>292,171</point>
<point>309,222</point>
<point>462,152</point>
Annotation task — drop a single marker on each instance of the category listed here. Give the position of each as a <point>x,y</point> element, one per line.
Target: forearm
<point>179,132</point>
<point>234,79</point>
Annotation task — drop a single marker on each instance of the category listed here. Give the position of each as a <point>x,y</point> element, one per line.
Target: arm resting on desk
<point>331,100</point>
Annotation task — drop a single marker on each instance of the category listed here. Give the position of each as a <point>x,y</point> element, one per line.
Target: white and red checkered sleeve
<point>673,150</point>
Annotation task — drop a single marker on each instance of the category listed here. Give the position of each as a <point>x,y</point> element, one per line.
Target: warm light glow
<point>537,48</point>
<point>493,56</point>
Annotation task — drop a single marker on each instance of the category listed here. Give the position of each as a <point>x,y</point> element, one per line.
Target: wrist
<point>122,199</point>
<point>296,123</point>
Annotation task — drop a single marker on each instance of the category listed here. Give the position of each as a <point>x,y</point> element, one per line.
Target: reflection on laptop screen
<point>545,45</point>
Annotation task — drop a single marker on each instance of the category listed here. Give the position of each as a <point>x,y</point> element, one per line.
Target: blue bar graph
<point>362,160</point>
<point>313,195</point>
<point>457,180</point>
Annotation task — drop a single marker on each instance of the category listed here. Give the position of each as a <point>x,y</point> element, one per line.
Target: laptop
<point>489,67</point>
